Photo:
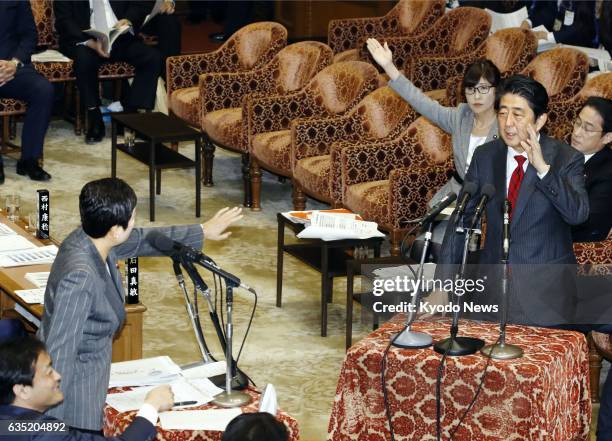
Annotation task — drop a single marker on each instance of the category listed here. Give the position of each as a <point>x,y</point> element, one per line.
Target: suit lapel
<point>531,178</point>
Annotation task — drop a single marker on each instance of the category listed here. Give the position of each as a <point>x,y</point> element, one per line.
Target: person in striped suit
<point>84,298</point>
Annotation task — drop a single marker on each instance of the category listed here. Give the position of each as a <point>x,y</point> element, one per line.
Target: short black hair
<point>603,106</point>
<point>482,68</point>
<point>18,364</point>
<point>105,203</point>
<point>525,87</point>
<point>259,426</point>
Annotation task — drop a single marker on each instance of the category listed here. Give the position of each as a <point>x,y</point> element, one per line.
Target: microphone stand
<point>407,338</point>
<point>193,314</point>
<point>502,350</point>
<point>458,346</point>
<point>238,378</point>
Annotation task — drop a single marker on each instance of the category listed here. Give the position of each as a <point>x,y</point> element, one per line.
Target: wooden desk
<point>128,342</point>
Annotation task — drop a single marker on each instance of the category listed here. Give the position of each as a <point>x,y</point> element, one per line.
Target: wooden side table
<point>156,129</point>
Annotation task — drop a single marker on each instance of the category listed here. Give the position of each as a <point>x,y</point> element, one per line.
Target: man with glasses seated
<point>592,136</point>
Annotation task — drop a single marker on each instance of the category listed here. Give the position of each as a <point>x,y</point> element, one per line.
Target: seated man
<point>167,28</point>
<point>592,136</point>
<point>74,17</point>
<point>29,386</point>
<point>19,80</point>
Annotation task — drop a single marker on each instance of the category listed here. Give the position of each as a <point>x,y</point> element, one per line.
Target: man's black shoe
<point>95,127</point>
<point>218,37</point>
<point>32,169</point>
<point>1,173</point>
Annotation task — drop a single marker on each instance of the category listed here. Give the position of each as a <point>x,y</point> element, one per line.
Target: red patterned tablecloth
<point>542,396</point>
<point>115,423</point>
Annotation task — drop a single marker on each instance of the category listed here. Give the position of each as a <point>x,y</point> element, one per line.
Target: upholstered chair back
<point>44,19</point>
<point>511,49</point>
<point>562,71</point>
<point>296,64</point>
<point>381,112</point>
<point>337,87</point>
<point>252,43</point>
<point>416,16</point>
<point>462,29</point>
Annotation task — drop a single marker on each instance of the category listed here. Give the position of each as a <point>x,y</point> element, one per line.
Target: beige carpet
<point>284,347</point>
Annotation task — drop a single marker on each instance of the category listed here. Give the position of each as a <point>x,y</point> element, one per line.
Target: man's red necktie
<point>515,182</point>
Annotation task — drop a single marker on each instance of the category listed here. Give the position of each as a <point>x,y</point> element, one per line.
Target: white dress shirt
<point>111,19</point>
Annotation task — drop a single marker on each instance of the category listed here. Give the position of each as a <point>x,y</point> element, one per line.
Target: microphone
<point>437,209</point>
<point>173,248</point>
<point>487,193</point>
<point>506,232</point>
<point>469,188</point>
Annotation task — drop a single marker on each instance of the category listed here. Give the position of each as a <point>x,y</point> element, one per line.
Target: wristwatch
<point>18,64</point>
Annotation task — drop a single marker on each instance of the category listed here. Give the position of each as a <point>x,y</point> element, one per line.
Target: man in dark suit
<point>592,135</point>
<point>29,385</point>
<point>19,80</point>
<point>84,297</point>
<point>167,28</point>
<point>75,16</point>
<point>543,180</point>
<point>571,21</point>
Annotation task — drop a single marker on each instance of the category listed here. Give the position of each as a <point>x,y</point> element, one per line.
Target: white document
<point>205,370</point>
<point>50,56</point>
<point>35,256</point>
<point>328,226</point>
<point>5,230</point>
<point>38,279</point>
<point>25,314</point>
<point>510,20</point>
<point>107,38</point>
<point>156,8</point>
<point>599,56</point>
<point>211,419</point>
<point>14,242</point>
<point>35,295</point>
<point>545,44</point>
<point>182,389</point>
<point>143,372</point>
<point>268,402</point>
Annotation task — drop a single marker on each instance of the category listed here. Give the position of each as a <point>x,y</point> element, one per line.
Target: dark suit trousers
<point>145,59</point>
<point>167,29</point>
<point>29,86</point>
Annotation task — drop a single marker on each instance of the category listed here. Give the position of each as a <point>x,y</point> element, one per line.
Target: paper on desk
<point>143,372</point>
<point>14,242</point>
<point>183,391</point>
<point>211,419</point>
<point>34,295</point>
<point>38,279</point>
<point>268,401</point>
<point>205,370</point>
<point>509,20</point>
<point>327,226</point>
<point>27,315</point>
<point>5,230</point>
<point>303,217</point>
<point>35,256</point>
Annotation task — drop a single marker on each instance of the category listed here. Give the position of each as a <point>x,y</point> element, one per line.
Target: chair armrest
<point>184,70</point>
<point>226,90</point>
<point>343,34</point>
<point>431,73</point>
<point>413,187</point>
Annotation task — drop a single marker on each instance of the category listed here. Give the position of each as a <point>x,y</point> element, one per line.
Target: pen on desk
<point>184,403</point>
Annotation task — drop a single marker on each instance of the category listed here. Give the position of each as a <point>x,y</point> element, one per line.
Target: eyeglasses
<point>483,90</point>
<point>578,123</point>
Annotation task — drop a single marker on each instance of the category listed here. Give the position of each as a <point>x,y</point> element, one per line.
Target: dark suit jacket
<point>139,430</point>
<point>583,30</point>
<point>72,17</point>
<point>84,308</point>
<point>540,229</point>
<point>598,175</point>
<point>18,36</point>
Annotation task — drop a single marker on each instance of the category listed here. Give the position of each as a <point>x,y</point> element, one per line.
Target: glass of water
<point>33,222</point>
<point>13,202</point>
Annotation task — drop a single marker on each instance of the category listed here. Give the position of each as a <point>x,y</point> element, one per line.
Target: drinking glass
<point>33,222</point>
<point>13,202</point>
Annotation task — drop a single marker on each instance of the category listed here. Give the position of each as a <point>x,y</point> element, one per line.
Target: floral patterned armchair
<point>251,47</point>
<point>391,182</point>
<point>315,156</point>
<point>222,95</point>
<point>333,91</point>
<point>408,17</point>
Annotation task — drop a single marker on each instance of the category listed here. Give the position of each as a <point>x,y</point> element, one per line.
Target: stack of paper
<point>27,256</point>
<point>328,226</point>
<point>50,56</point>
<point>510,20</point>
<point>201,392</point>
<point>5,230</point>
<point>207,370</point>
<point>303,217</point>
<point>144,372</point>
<point>38,279</point>
<point>35,295</point>
<point>211,419</point>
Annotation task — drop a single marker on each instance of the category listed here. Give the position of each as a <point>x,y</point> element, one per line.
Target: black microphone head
<point>160,242</point>
<point>449,198</point>
<point>488,190</point>
<point>469,188</point>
